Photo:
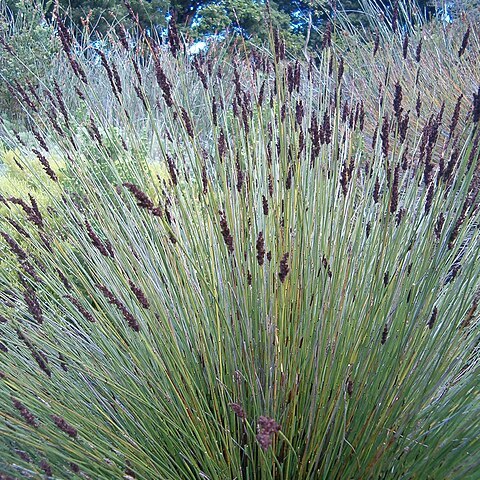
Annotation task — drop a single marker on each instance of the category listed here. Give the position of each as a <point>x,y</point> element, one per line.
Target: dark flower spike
<point>384,334</point>
<point>106,66</point>
<point>376,191</point>
<point>122,37</point>
<point>265,205</point>
<point>455,116</point>
<point>267,427</point>
<point>284,268</point>
<point>39,358</point>
<point>64,426</point>
<point>33,305</point>
<point>172,170</point>
<point>395,16</point>
<point>433,318</point>
<point>187,122</point>
<point>173,38</point>
<point>341,70</point>
<point>138,292</point>
<point>106,252</point>
<point>45,466</point>
<point>260,245</point>
<point>204,179</point>
<point>439,226</point>
<point>14,246</point>
<point>464,44</point>
<point>418,51</point>
<point>397,101</point>
<point>405,47</point>
<point>429,199</point>
<point>163,82</point>
<point>23,455</point>
<point>394,196</point>
<point>238,410</point>
<point>131,320</point>
<point>143,201</point>
<point>476,107</point>
<point>349,387</point>
<point>84,312</point>
<point>227,237</point>
<point>376,43</point>
<point>116,77</point>
<point>25,413</point>
<point>384,135</point>
<point>418,105</point>
<point>327,36</point>
<point>45,165</point>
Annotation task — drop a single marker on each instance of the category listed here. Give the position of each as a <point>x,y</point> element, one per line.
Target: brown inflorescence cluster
<point>131,320</point>
<point>284,268</point>
<point>25,413</point>
<point>64,426</point>
<point>238,410</point>
<point>103,247</point>
<point>38,356</point>
<point>84,312</point>
<point>267,428</point>
<point>138,292</point>
<point>227,237</point>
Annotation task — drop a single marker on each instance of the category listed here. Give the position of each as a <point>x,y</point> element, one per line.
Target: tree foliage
<point>33,44</point>
<point>298,20</point>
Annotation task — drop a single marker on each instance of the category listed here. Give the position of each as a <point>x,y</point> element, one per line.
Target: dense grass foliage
<point>245,266</point>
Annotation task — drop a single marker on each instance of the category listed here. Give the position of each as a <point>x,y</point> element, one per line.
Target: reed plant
<point>295,297</point>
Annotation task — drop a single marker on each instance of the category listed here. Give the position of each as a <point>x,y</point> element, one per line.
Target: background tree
<point>100,14</point>
<point>300,21</point>
<point>28,51</point>
<point>249,18</point>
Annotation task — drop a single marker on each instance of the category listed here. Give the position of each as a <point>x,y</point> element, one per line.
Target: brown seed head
<point>405,47</point>
<point>64,426</point>
<point>384,135</point>
<point>464,44</point>
<point>284,267</point>
<point>85,313</point>
<point>138,292</point>
<point>376,43</point>
<point>267,427</point>
<point>238,410</point>
<point>395,16</point>
<point>432,318</point>
<point>327,36</point>
<point>455,116</point>
<point>394,195</point>
<point>25,413</point>
<point>476,107</point>
<point>349,387</point>
<point>429,199</point>
<point>418,105</point>
<point>227,237</point>
<point>418,51</point>
<point>173,37</point>
<point>384,334</point>
<point>132,322</point>
<point>397,101</point>
<point>45,466</point>
<point>260,245</point>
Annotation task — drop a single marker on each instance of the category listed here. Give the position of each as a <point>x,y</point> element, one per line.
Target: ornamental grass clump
<point>292,294</point>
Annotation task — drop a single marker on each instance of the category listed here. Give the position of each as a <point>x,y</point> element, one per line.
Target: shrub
<point>35,49</point>
<point>298,300</point>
